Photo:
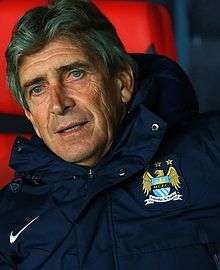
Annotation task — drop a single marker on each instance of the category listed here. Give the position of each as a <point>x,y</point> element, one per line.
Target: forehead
<point>55,54</point>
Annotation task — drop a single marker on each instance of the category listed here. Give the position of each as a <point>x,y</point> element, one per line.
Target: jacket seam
<point>77,246</point>
<point>112,232</point>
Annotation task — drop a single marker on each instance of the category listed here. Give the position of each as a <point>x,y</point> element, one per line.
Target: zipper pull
<point>91,175</point>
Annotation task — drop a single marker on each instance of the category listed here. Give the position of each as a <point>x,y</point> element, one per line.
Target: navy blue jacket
<point>153,202</point>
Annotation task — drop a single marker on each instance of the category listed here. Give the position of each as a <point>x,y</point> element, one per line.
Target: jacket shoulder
<point>4,198</point>
<point>204,130</point>
<point>199,134</point>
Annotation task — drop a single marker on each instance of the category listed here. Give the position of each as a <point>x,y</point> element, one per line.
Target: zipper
<point>91,174</point>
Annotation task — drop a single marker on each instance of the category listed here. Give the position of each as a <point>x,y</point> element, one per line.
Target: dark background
<point>197,32</point>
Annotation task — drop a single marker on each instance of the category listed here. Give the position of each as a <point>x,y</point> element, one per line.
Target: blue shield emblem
<point>161,186</point>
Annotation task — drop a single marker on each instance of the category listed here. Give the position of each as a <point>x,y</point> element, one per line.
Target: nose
<point>60,102</point>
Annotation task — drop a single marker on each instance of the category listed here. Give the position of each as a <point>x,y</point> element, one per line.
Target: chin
<point>86,152</point>
<point>78,156</point>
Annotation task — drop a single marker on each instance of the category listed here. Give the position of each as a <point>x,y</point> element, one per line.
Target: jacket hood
<point>164,88</point>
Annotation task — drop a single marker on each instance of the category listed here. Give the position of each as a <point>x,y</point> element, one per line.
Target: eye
<point>76,74</point>
<point>35,90</point>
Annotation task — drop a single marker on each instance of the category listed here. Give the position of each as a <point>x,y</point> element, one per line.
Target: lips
<point>71,127</point>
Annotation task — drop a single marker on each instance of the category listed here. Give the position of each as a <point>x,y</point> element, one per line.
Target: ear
<point>30,117</point>
<point>125,83</point>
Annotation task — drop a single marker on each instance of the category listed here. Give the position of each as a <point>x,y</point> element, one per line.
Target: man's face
<point>72,106</point>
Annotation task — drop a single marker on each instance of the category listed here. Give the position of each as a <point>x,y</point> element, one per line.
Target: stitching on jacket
<point>112,231</point>
<point>77,247</point>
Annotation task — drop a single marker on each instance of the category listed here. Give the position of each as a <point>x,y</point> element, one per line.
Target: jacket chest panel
<point>148,225</point>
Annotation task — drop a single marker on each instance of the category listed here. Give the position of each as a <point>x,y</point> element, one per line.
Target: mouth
<point>72,128</point>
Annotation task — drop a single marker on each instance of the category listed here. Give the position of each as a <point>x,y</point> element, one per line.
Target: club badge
<point>162,188</point>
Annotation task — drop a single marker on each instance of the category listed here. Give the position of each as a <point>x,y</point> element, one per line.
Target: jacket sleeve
<point>6,261</point>
<point>207,149</point>
<point>212,139</point>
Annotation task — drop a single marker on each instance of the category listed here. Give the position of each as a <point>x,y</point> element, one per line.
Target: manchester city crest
<point>162,187</point>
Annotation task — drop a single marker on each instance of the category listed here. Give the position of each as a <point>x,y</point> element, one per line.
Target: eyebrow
<point>31,82</point>
<point>59,70</point>
<point>72,66</point>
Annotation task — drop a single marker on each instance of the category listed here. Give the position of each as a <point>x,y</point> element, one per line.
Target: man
<point>106,183</point>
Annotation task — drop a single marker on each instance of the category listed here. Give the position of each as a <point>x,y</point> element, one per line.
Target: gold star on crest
<point>169,162</point>
<point>157,164</point>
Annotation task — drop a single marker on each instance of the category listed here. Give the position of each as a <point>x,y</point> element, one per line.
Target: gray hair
<point>77,20</point>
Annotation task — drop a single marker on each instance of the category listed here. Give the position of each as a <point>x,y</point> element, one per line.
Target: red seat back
<point>141,25</point>
<point>6,141</point>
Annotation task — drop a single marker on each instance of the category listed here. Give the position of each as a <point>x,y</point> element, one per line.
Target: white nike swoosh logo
<point>14,237</point>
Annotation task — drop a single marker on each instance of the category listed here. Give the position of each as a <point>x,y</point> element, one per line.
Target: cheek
<point>107,105</point>
<point>39,120</point>
<point>111,105</point>
<point>91,95</point>
<point>97,103</point>
<point>102,106</point>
